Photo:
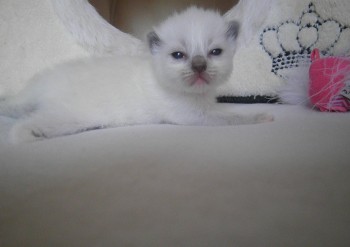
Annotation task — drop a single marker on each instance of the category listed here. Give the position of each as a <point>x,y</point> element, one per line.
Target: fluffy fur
<point>191,56</point>
<point>295,90</point>
<point>249,14</point>
<point>91,31</point>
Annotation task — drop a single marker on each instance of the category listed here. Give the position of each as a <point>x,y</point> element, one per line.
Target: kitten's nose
<point>199,64</point>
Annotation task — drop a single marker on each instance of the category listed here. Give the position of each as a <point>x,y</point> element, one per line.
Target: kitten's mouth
<point>200,79</point>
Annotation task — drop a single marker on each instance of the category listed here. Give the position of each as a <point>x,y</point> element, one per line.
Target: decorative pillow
<point>282,42</point>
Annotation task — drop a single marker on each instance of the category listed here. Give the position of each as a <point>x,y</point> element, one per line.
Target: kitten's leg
<point>25,131</point>
<point>38,127</point>
<point>225,118</point>
<point>238,119</point>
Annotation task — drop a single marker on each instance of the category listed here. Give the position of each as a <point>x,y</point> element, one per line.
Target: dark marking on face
<point>153,41</point>
<point>233,30</point>
<point>199,64</point>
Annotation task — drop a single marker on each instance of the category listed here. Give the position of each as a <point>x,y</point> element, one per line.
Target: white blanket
<point>284,183</point>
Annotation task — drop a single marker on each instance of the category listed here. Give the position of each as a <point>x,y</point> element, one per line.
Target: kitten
<point>191,55</point>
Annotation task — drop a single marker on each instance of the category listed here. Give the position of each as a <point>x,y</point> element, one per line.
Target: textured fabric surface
<point>39,34</point>
<point>32,38</point>
<point>273,47</point>
<point>283,183</point>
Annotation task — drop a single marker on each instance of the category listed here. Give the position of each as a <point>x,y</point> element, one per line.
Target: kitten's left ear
<point>153,41</point>
<point>233,30</point>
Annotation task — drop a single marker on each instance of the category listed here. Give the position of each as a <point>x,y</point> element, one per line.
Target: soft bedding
<point>284,183</point>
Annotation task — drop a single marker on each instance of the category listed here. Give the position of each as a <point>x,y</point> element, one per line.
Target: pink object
<point>327,80</point>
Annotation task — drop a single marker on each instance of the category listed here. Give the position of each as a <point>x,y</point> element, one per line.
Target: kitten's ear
<point>232,30</point>
<point>153,41</point>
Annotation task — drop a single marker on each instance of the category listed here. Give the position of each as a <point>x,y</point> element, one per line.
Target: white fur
<point>193,32</point>
<point>93,32</point>
<point>125,90</point>
<point>251,14</point>
<point>295,90</point>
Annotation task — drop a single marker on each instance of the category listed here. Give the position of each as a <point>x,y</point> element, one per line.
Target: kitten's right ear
<point>153,41</point>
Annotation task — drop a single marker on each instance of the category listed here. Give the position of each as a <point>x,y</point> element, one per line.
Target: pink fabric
<point>327,79</point>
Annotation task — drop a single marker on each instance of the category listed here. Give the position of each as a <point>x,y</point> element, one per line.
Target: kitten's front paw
<point>21,133</point>
<point>264,118</point>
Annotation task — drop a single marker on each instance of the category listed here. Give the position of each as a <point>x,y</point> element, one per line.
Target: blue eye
<point>178,55</point>
<point>216,52</point>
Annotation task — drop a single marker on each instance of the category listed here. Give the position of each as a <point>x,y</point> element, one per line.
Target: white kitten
<point>191,56</point>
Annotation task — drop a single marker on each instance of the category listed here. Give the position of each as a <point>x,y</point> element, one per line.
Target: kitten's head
<point>193,51</point>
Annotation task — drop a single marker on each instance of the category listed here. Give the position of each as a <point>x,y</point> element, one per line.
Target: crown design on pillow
<point>290,43</point>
